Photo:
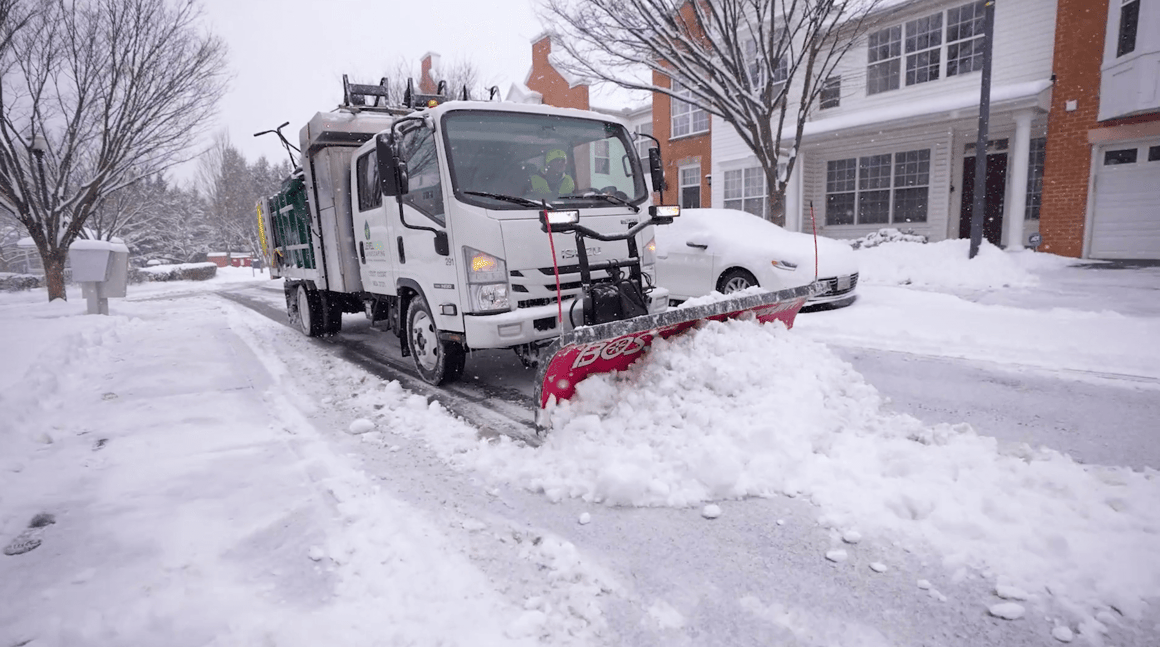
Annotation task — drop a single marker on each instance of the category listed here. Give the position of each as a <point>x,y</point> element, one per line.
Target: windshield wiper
<point>604,196</point>
<point>513,199</point>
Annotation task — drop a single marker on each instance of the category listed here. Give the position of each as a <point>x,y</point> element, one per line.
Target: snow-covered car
<point>728,250</point>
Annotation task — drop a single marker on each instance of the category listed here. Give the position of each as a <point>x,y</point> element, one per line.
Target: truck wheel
<point>734,281</point>
<point>438,362</point>
<point>331,309</point>
<point>309,311</point>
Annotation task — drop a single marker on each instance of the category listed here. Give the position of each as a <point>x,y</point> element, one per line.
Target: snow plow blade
<point>615,345</point>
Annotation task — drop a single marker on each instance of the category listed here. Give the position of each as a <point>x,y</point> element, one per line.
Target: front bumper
<point>834,289</point>
<point>534,324</point>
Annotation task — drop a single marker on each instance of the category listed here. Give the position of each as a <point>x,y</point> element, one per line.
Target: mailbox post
<point>102,269</point>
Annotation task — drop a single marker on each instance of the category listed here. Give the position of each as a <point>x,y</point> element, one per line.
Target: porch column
<point>1020,157</point>
<point>793,197</point>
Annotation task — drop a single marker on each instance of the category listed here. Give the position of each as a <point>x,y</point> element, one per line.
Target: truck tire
<point>438,361</point>
<point>331,309</point>
<point>308,311</point>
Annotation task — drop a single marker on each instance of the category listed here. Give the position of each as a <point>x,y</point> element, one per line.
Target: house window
<point>874,189</point>
<point>753,62</point>
<point>367,172</point>
<point>965,38</point>
<point>687,119</point>
<point>878,189</point>
<point>923,46</point>
<point>745,190</point>
<point>831,93</point>
<point>911,185</point>
<point>1121,156</point>
<point>600,163</point>
<point>1129,21</point>
<point>841,185</point>
<point>1154,153</point>
<point>885,48</point>
<point>756,65</point>
<point>690,183</point>
<point>1035,178</point>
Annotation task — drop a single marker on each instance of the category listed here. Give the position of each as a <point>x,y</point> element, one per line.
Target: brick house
<point>1101,182</point>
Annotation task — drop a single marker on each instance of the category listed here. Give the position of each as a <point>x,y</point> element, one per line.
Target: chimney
<point>428,73</point>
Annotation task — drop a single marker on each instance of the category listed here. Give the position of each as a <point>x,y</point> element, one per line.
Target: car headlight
<point>487,281</point>
<point>784,265</point>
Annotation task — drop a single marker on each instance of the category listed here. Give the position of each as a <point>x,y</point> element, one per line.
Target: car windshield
<point>563,160</point>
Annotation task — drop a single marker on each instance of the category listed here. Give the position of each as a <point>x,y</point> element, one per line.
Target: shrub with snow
<point>182,272</point>
<point>10,282</point>
<point>887,235</point>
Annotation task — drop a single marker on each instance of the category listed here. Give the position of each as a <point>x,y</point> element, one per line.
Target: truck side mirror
<point>393,178</point>
<point>442,247</point>
<point>656,169</point>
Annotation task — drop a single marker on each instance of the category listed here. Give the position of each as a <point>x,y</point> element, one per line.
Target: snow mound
<point>739,409</point>
<point>1007,610</point>
<point>946,264</point>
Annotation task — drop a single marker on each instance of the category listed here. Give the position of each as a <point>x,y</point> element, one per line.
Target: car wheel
<point>734,281</point>
<point>438,361</point>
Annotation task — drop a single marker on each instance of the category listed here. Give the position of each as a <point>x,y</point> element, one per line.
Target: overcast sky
<point>287,57</point>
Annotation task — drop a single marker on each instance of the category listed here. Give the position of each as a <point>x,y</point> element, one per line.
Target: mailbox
<point>102,269</point>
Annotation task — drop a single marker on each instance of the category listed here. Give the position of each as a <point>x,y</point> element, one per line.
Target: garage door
<point>1126,220</point>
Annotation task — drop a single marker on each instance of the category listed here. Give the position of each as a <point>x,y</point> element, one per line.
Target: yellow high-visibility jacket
<point>541,186</point>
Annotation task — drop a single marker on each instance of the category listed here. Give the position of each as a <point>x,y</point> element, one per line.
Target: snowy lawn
<point>193,503</point>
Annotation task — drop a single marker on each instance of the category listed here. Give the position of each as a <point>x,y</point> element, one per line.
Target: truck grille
<point>530,282</point>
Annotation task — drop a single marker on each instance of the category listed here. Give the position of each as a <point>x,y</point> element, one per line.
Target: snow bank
<point>736,409</point>
<point>946,264</point>
<point>944,325</point>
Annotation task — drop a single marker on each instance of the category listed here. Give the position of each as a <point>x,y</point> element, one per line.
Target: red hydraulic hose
<point>556,271</point>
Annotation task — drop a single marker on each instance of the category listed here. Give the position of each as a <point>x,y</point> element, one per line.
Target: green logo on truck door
<point>367,229</point>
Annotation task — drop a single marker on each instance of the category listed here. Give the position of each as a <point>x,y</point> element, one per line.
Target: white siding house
<point>900,120</point>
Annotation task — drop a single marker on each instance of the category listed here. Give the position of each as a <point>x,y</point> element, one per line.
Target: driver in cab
<point>553,181</point>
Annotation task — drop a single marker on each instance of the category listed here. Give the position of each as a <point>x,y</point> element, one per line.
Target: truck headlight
<point>487,281</point>
<point>483,267</point>
<point>489,297</point>
<point>648,253</point>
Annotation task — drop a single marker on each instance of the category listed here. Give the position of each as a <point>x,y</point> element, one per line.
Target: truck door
<point>370,226</point>
<point>415,224</point>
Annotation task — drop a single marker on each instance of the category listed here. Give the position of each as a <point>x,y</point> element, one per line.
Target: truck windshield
<point>567,161</point>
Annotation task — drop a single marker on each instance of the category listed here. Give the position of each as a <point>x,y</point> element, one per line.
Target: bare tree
<point>759,65</point>
<point>455,76</point>
<point>231,187</point>
<point>96,95</point>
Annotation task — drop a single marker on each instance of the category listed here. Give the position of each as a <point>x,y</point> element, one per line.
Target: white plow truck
<point>435,221</point>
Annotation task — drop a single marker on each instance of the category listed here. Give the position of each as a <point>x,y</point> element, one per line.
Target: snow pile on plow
<point>735,409</point>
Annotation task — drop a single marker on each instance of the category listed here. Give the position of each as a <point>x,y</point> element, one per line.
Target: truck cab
<point>430,220</point>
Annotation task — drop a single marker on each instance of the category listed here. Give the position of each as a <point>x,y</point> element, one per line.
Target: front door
<point>996,190</point>
<point>370,227</point>
<point>413,221</point>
